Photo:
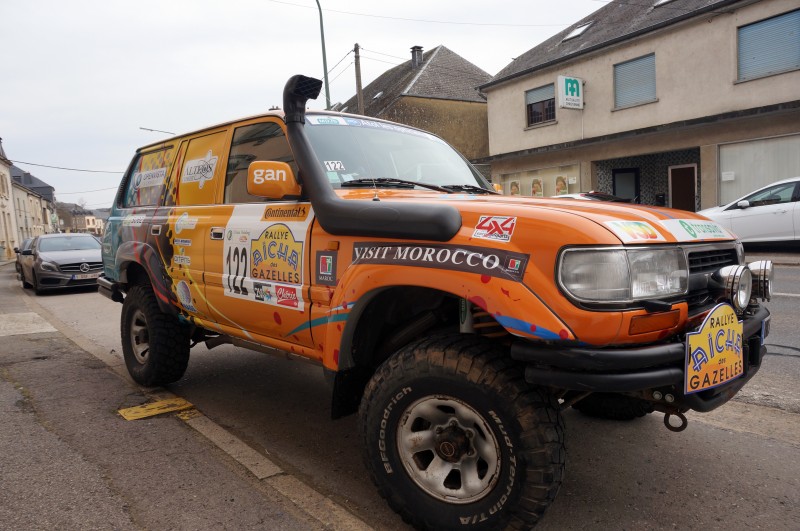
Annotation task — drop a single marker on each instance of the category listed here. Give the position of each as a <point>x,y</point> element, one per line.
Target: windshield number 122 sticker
<point>498,228</point>
<point>334,165</point>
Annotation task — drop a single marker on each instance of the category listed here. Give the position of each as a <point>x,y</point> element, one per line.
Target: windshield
<point>351,149</point>
<point>68,243</point>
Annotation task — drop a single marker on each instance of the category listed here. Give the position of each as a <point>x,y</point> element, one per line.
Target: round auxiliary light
<point>737,284</point>
<point>763,273</point>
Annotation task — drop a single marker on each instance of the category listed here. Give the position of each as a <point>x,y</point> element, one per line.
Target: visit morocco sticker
<point>714,352</point>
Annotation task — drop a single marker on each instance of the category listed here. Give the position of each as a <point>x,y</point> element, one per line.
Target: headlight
<point>623,275</point>
<point>762,279</point>
<point>48,266</point>
<point>735,284</point>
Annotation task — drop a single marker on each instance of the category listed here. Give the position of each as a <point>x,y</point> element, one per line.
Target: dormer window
<point>577,32</point>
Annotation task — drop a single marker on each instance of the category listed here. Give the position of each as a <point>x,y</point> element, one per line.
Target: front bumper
<point>641,370</point>
<point>57,280</point>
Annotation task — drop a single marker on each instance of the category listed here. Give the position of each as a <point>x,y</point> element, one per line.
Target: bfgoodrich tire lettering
<point>455,439</point>
<point>155,345</point>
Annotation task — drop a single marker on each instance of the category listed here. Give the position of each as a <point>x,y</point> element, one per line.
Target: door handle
<point>217,233</point>
<point>155,230</point>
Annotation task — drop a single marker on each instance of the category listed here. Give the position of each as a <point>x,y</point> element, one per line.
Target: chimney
<point>416,57</point>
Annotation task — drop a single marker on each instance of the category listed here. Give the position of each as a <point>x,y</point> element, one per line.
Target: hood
<point>71,257</point>
<point>628,223</point>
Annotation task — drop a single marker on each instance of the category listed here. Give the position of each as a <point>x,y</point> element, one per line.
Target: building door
<point>626,183</point>
<point>683,187</point>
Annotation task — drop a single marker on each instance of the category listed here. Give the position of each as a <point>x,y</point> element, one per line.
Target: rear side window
<point>264,141</point>
<point>146,181</point>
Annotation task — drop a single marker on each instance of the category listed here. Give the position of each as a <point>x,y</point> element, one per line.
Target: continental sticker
<point>286,213</point>
<point>468,259</point>
<point>695,229</point>
<point>635,231</point>
<point>714,352</point>
<point>200,170</point>
<point>496,228</point>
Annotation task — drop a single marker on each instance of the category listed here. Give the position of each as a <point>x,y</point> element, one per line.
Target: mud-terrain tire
<point>446,406</point>
<point>155,345</point>
<point>613,406</point>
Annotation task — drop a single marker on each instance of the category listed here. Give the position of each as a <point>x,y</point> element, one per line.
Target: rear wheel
<point>455,438</point>
<point>613,406</point>
<point>155,345</point>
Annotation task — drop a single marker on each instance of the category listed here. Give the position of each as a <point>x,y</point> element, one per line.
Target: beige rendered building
<point>8,222</point>
<point>688,103</point>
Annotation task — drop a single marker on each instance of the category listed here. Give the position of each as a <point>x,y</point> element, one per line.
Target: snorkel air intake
<point>381,219</point>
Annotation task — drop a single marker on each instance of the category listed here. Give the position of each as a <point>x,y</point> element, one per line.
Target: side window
<point>773,195</point>
<point>540,104</point>
<point>264,141</point>
<point>200,172</point>
<point>635,82</point>
<point>146,180</point>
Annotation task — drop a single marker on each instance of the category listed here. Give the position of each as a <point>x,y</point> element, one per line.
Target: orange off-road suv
<point>457,322</point>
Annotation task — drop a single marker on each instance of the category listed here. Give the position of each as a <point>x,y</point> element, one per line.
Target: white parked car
<point>769,214</point>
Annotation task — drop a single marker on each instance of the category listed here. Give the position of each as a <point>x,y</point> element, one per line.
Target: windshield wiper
<point>392,182</point>
<point>467,188</point>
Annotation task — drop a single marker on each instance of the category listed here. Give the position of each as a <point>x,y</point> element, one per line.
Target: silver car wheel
<point>448,449</point>
<point>140,337</point>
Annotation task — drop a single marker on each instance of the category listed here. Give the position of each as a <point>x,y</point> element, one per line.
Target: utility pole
<point>324,59</point>
<point>359,91</point>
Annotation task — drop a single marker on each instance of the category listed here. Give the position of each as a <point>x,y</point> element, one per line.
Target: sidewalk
<point>70,461</point>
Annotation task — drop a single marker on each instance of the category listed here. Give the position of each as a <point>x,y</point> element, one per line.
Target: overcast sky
<point>81,77</point>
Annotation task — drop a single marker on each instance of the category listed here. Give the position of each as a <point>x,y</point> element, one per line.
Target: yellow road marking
<point>155,408</point>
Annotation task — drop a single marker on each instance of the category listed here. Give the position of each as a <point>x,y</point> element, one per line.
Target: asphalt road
<point>735,468</point>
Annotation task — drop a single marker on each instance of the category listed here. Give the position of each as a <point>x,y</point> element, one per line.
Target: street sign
<point>570,92</point>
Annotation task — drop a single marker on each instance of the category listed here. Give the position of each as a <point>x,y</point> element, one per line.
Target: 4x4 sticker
<point>200,170</point>
<point>469,259</point>
<point>498,228</point>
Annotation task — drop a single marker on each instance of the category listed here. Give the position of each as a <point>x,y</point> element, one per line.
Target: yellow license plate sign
<point>714,352</point>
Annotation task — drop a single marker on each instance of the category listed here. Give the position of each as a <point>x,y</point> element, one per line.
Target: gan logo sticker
<point>200,170</point>
<point>498,228</point>
<point>326,268</point>
<point>490,262</point>
<point>694,229</point>
<point>635,231</point>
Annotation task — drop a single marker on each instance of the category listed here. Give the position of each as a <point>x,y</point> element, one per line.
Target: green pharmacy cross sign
<point>570,92</point>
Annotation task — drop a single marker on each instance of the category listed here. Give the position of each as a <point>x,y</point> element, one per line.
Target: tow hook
<point>678,428</point>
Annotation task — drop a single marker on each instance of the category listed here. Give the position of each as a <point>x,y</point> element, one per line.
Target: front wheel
<point>155,345</point>
<point>455,438</point>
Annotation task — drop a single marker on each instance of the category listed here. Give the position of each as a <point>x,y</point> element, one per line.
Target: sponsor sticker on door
<point>497,228</point>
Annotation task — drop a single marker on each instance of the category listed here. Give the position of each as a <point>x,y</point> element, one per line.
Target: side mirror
<point>16,250</point>
<point>271,179</point>
<point>743,204</point>
<point>27,252</point>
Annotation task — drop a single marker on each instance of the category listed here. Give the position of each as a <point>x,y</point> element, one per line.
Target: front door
<point>682,187</point>
<point>626,184</point>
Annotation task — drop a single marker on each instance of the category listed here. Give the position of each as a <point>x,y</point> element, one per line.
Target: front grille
<point>701,264</point>
<point>94,267</point>
<point>710,261</point>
